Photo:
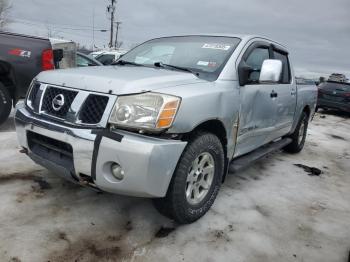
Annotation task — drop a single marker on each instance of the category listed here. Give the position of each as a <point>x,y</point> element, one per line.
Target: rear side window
<point>255,61</point>
<point>346,88</point>
<point>285,79</point>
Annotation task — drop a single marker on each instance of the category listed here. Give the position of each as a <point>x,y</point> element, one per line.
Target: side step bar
<point>245,160</point>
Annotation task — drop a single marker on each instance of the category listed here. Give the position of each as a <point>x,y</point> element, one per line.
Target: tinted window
<point>346,88</point>
<point>81,61</point>
<point>285,78</point>
<point>106,59</point>
<point>335,85</point>
<point>255,61</point>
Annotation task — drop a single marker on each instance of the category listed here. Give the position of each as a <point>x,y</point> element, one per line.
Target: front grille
<point>34,97</point>
<point>93,109</point>
<point>50,94</point>
<point>51,149</point>
<point>77,107</point>
<point>34,92</point>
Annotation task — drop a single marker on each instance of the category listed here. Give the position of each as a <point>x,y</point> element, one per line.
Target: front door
<point>258,104</point>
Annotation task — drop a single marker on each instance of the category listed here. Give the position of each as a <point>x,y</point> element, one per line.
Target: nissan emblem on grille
<point>58,102</point>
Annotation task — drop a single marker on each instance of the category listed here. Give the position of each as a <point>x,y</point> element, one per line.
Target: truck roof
<point>244,37</point>
<point>22,35</point>
<point>60,41</point>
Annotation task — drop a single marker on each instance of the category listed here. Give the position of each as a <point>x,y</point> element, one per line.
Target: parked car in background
<point>85,60</point>
<point>96,53</point>
<point>108,57</point>
<point>22,57</point>
<point>334,95</point>
<point>169,119</point>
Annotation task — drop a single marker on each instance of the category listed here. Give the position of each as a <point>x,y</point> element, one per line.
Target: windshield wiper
<point>180,68</point>
<point>123,62</point>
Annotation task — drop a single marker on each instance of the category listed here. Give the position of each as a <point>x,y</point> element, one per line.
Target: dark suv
<point>334,95</point>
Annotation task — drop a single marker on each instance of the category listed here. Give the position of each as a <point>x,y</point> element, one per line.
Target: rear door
<point>286,96</point>
<point>258,103</point>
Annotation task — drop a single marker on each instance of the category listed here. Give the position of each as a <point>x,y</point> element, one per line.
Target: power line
<point>71,33</point>
<point>23,21</point>
<point>82,26</point>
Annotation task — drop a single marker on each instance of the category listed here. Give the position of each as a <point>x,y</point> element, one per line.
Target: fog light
<point>117,171</point>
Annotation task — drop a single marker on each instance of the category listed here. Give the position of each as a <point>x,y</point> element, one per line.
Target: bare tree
<point>119,44</point>
<point>51,32</point>
<point>5,6</point>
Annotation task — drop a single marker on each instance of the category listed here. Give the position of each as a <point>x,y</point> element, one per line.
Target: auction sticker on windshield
<point>217,46</point>
<point>205,63</point>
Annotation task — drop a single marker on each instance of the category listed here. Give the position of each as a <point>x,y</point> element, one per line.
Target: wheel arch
<point>216,127</point>
<point>307,110</point>
<point>7,78</point>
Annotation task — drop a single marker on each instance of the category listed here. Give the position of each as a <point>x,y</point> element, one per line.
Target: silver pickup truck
<point>169,120</point>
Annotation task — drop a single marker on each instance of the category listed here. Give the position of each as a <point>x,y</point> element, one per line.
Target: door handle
<point>273,94</point>
<point>293,93</point>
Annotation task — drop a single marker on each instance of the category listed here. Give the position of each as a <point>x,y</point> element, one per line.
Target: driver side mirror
<point>271,71</point>
<point>244,72</point>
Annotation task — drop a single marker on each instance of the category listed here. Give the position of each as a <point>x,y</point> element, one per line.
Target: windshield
<point>205,55</point>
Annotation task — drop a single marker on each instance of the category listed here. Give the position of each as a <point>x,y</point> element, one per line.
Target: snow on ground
<point>272,211</point>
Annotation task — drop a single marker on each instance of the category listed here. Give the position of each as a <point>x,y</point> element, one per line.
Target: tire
<point>299,135</point>
<point>5,104</point>
<point>191,193</point>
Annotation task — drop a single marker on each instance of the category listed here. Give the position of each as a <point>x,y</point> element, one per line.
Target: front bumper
<point>148,162</point>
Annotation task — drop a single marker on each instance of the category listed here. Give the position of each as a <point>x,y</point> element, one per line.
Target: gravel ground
<point>272,211</point>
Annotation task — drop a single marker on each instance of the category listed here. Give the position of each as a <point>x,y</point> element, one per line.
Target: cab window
<point>255,61</point>
<point>285,78</point>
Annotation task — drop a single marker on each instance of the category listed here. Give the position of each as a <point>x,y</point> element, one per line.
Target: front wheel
<point>5,103</point>
<point>196,180</point>
<point>299,135</point>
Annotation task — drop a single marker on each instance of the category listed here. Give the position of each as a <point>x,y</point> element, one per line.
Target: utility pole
<point>111,10</point>
<point>93,28</point>
<point>116,35</point>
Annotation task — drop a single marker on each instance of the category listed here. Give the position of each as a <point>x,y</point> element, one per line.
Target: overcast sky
<point>317,32</point>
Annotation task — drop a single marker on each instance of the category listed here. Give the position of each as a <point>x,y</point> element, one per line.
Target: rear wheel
<point>196,180</point>
<point>5,103</point>
<point>299,135</point>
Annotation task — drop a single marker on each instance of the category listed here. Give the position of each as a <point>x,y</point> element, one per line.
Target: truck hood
<point>118,80</point>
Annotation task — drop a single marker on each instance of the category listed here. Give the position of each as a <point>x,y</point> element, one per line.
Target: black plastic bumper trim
<point>99,135</point>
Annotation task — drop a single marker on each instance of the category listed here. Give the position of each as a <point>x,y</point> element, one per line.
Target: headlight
<point>149,111</point>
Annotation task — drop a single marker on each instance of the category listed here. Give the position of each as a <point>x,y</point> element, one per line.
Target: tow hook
<point>87,182</point>
<point>83,182</point>
<point>23,150</point>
